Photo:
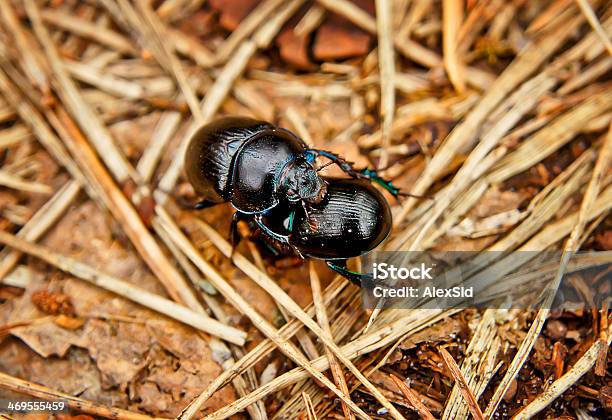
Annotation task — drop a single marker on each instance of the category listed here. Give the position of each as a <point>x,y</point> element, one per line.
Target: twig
<point>220,89</point>
<point>32,117</point>
<point>86,29</point>
<point>164,130</point>
<point>310,410</point>
<point>452,17</point>
<point>42,220</point>
<point>243,306</point>
<point>311,21</point>
<point>105,81</point>
<point>265,347</point>
<point>29,388</point>
<point>558,387</point>
<point>12,181</point>
<point>126,290</point>
<point>467,393</point>
<point>571,246</point>
<point>32,67</point>
<point>247,26</point>
<point>362,345</point>
<point>478,366</point>
<point>264,281</point>
<point>190,47</point>
<point>352,12</point>
<point>127,216</point>
<point>96,132</point>
<point>591,17</point>
<point>154,33</point>
<point>386,62</point>
<point>13,135</point>
<point>464,134</point>
<point>413,400</point>
<point>335,368</point>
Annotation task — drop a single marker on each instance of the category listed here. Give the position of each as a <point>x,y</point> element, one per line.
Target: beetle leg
<point>276,236</point>
<point>388,185</point>
<point>284,239</point>
<point>339,266</point>
<point>203,204</point>
<point>234,232</point>
<point>385,183</point>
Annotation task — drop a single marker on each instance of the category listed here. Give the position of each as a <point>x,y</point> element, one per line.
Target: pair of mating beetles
<point>269,175</point>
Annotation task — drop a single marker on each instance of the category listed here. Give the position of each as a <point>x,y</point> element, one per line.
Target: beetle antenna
<point>320,168</point>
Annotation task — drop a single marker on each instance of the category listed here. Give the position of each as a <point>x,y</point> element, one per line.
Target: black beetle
<point>352,219</point>
<point>254,165</point>
<point>268,173</point>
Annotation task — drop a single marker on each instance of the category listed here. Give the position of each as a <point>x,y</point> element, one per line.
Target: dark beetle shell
<point>250,163</point>
<point>257,169</point>
<point>209,156</point>
<point>354,218</point>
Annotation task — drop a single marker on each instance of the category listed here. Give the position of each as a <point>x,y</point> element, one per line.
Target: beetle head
<point>302,183</point>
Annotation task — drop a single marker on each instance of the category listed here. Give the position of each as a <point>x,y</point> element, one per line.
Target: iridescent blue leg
<point>284,239</point>
<point>388,185</point>
<point>339,266</point>
<point>385,183</point>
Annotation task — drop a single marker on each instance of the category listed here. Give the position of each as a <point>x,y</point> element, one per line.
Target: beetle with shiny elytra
<point>267,172</point>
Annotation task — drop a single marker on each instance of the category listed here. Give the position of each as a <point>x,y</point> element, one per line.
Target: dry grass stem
<point>249,25</point>
<point>126,290</point>
<point>29,388</point>
<point>413,399</point>
<point>478,367</point>
<point>15,182</point>
<point>311,21</point>
<point>310,410</point>
<point>465,390</point>
<point>241,304</point>
<point>581,367</point>
<point>591,17</point>
<point>42,220</point>
<point>96,132</point>
<point>127,216</point>
<point>321,312</point>
<point>86,29</point>
<point>452,16</point>
<point>283,299</point>
<point>465,133</point>
<point>386,60</point>
<point>586,211</point>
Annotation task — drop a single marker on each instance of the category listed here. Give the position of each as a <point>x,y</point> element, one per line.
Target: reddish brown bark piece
<point>200,24</point>
<point>294,49</point>
<point>233,11</point>
<point>338,38</point>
